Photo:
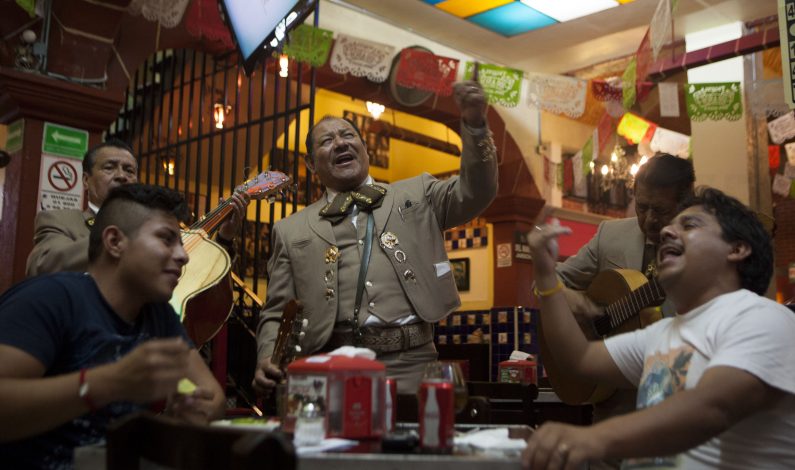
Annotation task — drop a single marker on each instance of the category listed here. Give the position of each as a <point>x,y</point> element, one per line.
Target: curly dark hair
<point>128,206</point>
<point>739,223</point>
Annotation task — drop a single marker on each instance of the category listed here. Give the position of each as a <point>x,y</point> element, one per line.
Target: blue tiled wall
<point>503,328</point>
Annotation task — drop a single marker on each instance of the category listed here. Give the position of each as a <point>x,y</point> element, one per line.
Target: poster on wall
<point>504,255</point>
<point>60,184</point>
<point>786,27</point>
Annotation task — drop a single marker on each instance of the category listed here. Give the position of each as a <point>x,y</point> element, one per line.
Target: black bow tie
<point>366,198</point>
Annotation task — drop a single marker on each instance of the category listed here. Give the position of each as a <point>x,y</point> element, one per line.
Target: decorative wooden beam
<point>745,45</point>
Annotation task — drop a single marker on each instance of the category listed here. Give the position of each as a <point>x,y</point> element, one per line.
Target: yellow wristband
<point>548,292</point>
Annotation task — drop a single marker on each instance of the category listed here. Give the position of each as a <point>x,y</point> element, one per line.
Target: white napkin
<point>492,441</point>
<point>520,356</point>
<point>326,444</point>
<point>351,351</point>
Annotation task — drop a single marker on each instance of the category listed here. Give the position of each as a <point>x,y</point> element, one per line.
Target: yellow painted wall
<point>481,275</point>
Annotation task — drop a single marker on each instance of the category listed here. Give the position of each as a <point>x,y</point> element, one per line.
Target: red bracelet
<point>83,391</point>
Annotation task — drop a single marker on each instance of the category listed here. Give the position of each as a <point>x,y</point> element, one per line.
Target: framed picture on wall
<point>460,267</point>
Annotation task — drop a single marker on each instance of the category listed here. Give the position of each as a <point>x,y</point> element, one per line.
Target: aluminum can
<point>437,416</point>
<point>390,405</point>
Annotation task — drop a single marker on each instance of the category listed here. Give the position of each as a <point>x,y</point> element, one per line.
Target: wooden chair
<point>181,446</point>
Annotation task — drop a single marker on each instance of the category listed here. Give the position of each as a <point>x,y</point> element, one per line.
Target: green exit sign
<point>64,141</point>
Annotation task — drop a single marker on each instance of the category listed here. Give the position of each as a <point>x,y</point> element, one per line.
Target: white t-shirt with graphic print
<point>739,329</point>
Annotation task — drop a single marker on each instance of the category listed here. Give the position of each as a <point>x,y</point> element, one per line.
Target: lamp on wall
<point>375,109</point>
<point>168,165</point>
<point>220,112</point>
<point>284,65</point>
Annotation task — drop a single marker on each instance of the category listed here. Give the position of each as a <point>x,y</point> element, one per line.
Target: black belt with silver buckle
<point>384,339</point>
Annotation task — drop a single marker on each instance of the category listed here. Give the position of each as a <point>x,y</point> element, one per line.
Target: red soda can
<point>390,405</point>
<point>437,416</point>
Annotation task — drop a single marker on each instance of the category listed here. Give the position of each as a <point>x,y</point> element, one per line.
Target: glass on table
<point>449,371</point>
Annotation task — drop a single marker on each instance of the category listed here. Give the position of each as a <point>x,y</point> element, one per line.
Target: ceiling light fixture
<point>569,9</point>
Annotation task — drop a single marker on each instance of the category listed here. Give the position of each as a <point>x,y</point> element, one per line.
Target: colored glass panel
<point>512,19</point>
<point>466,8</point>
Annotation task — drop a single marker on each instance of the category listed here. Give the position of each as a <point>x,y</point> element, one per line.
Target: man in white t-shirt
<point>716,383</point>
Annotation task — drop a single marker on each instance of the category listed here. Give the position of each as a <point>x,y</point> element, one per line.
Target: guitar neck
<point>213,219</point>
<point>631,304</point>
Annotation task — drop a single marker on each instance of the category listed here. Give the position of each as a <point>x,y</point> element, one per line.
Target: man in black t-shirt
<point>78,350</point>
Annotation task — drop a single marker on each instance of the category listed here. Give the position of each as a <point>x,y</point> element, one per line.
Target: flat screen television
<point>261,26</point>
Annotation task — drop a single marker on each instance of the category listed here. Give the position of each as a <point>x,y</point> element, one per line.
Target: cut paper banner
<point>669,99</point>
<point>633,127</point>
<point>362,58</point>
<point>557,94</point>
<point>660,27</point>
<point>643,58</point>
<point>588,155</point>
<point>629,79</point>
<point>607,90</point>
<point>782,185</point>
<point>766,98</point>
<point>773,156</point>
<point>714,101</point>
<point>604,130</point>
<point>426,71</point>
<point>667,141</point>
<point>309,44</point>
<point>782,128</point>
<point>790,153</point>
<point>501,84</point>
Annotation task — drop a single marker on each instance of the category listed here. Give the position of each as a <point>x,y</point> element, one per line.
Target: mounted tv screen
<point>261,26</point>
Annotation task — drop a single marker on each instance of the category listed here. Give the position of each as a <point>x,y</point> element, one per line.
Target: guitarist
<point>660,185</point>
<point>61,235</point>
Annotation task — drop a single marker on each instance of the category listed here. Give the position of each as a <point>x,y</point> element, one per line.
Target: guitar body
<point>607,288</point>
<point>203,298</point>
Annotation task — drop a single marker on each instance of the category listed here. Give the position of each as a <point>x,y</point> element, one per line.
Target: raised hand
<point>472,102</point>
<point>543,241</point>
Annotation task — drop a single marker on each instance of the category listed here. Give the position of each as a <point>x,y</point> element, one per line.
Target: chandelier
<point>619,171</point>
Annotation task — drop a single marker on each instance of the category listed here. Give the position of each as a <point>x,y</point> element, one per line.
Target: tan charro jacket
<point>297,266</point>
<point>60,242</point>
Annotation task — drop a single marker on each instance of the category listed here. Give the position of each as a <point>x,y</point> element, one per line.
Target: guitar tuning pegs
<point>297,348</point>
<point>304,323</point>
<point>302,334</point>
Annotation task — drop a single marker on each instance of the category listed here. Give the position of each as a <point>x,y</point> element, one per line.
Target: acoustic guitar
<point>291,330</point>
<point>627,296</point>
<point>203,298</point>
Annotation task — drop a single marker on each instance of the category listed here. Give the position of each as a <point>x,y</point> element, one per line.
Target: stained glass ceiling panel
<point>512,17</point>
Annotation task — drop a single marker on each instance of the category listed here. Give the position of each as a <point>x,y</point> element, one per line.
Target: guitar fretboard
<point>649,294</point>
